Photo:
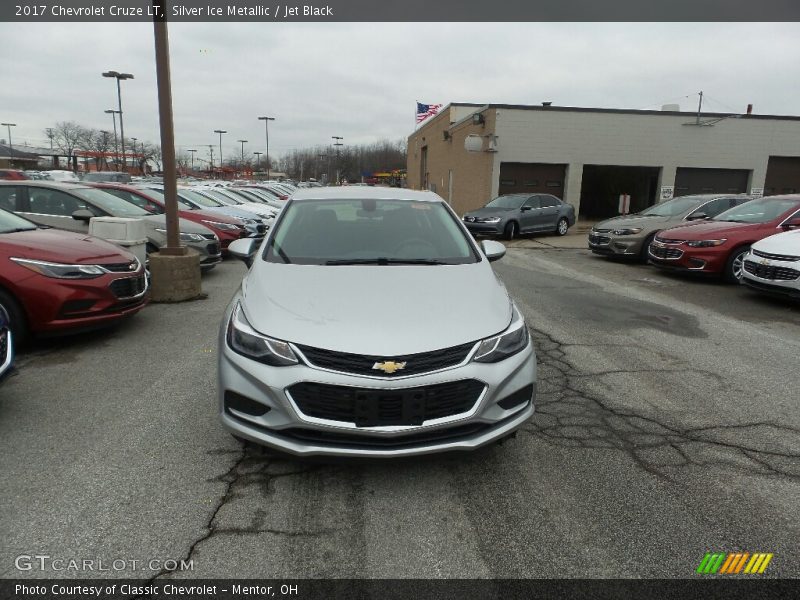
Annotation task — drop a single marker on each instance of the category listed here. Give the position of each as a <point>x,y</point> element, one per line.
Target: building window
<point>553,183</point>
<point>531,183</point>
<point>508,182</point>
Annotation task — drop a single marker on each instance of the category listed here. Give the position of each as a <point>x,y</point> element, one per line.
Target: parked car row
<point>738,238</point>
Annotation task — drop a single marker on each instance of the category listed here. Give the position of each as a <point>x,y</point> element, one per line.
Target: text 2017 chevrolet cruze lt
<point>372,324</point>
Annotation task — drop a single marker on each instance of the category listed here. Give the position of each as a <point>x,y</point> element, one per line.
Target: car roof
<point>58,185</point>
<point>359,192</point>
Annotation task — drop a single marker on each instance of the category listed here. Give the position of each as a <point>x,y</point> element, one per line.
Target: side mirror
<point>697,216</point>
<point>244,249</point>
<point>82,214</point>
<point>792,223</point>
<point>525,208</point>
<point>493,250</point>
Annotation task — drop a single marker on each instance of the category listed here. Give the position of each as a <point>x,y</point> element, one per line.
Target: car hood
<point>711,230</point>
<point>186,226</point>
<point>232,211</point>
<point>380,310</point>
<point>197,215</point>
<point>786,243</point>
<point>632,221</point>
<point>56,245</point>
<point>489,212</point>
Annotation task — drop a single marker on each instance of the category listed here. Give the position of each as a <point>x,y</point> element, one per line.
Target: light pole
<point>105,133</point>
<point>243,142</point>
<point>10,145</point>
<point>266,130</point>
<point>133,156</point>
<point>120,76</point>
<point>258,160</point>
<point>316,171</point>
<point>337,143</point>
<point>211,161</point>
<point>192,151</point>
<point>113,114</point>
<point>220,132</point>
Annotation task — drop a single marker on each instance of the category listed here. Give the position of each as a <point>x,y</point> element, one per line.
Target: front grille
<point>669,241</point>
<point>599,240</point>
<point>770,272</point>
<point>469,219</point>
<point>126,267</point>
<point>781,257</point>
<point>360,364</point>
<point>213,249</point>
<point>665,253</point>
<point>601,230</point>
<point>370,407</point>
<point>128,287</point>
<point>209,236</point>
<point>261,228</point>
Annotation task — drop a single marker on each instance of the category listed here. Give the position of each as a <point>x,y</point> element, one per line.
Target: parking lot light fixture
<point>266,130</point>
<point>258,160</point>
<point>113,114</point>
<point>338,144</point>
<point>10,145</point>
<point>120,77</point>
<point>242,142</point>
<point>220,132</point>
<point>192,151</point>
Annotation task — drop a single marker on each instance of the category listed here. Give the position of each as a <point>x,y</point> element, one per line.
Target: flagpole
<point>416,107</point>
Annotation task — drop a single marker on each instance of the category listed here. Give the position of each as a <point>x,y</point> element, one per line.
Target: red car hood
<point>55,245</point>
<point>712,230</point>
<point>214,217</point>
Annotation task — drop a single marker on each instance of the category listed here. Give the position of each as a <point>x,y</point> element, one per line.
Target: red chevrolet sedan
<point>57,281</point>
<point>717,246</point>
<point>227,228</point>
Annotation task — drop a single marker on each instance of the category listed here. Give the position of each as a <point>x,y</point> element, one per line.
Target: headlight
<point>223,226</point>
<point>631,231</point>
<point>705,243</point>
<point>185,237</point>
<point>488,220</point>
<point>245,340</point>
<point>60,270</point>
<point>512,340</point>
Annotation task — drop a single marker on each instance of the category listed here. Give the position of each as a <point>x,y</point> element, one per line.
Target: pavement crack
<point>569,416</point>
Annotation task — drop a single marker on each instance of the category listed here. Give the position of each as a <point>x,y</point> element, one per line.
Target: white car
<point>773,265</point>
<point>59,175</point>
<point>218,194</point>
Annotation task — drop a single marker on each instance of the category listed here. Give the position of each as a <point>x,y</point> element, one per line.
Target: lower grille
<point>370,407</point>
<point>770,272</point>
<point>213,249</point>
<point>128,287</point>
<point>599,240</point>
<point>665,253</point>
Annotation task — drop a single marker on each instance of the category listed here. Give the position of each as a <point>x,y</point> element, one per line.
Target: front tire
<point>511,230</point>
<point>734,266</point>
<point>562,227</point>
<point>643,253</point>
<point>17,321</point>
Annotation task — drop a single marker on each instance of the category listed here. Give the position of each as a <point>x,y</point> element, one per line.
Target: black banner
<point>732,588</point>
<point>405,11</point>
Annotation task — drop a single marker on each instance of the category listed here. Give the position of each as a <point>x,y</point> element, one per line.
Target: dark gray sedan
<point>514,214</point>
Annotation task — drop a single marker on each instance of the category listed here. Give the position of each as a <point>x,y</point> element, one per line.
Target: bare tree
<point>152,152</point>
<point>67,136</point>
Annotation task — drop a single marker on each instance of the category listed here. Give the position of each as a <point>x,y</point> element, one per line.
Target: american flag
<point>426,110</point>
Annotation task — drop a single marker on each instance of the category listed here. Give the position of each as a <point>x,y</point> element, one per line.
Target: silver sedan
<point>388,333</point>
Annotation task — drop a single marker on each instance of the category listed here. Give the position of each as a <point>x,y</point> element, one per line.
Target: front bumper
<point>772,276</point>
<point>680,257</point>
<point>485,228</point>
<point>608,244</point>
<point>285,427</point>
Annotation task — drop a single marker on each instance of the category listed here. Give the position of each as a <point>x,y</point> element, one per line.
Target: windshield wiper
<point>386,261</point>
<point>18,230</point>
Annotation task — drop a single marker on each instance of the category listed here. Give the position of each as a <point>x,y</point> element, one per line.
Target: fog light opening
<point>522,396</point>
<point>243,404</point>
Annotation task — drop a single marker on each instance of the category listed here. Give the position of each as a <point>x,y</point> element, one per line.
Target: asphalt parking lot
<point>666,427</point>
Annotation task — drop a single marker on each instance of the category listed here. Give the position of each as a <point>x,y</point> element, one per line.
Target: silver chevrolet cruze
<point>371,323</point>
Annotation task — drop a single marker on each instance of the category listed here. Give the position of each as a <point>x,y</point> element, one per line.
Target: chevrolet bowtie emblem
<point>389,366</point>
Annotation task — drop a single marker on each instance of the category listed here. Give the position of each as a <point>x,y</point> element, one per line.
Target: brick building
<point>590,156</point>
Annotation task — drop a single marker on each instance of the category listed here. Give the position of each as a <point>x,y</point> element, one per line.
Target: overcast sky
<point>361,80</point>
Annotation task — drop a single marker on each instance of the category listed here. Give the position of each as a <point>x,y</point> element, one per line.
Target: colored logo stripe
<point>733,563</point>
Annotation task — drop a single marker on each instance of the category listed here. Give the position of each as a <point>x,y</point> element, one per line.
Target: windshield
<point>507,201</point>
<point>159,197</point>
<point>199,199</point>
<point>762,210</point>
<point>219,196</point>
<point>331,232</point>
<point>10,223</point>
<point>116,207</point>
<point>674,207</point>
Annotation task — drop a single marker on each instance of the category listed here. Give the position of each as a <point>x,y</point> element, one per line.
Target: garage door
<point>710,181</point>
<point>783,175</point>
<point>532,178</point>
